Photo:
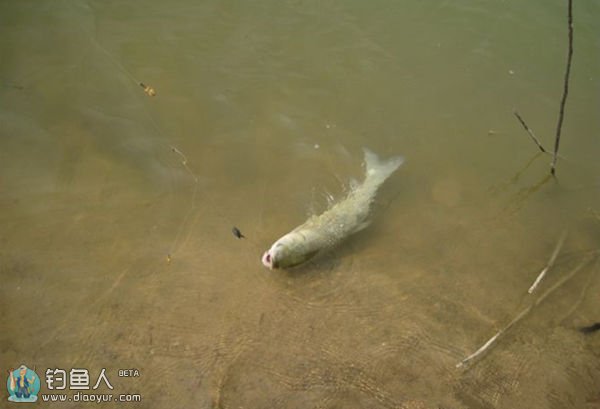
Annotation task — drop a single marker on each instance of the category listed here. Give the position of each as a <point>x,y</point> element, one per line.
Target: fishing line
<point>189,220</point>
<point>185,228</point>
<point>175,246</point>
<point>179,242</point>
<point>120,66</point>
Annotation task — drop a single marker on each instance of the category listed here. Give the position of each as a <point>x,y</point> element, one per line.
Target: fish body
<point>329,228</point>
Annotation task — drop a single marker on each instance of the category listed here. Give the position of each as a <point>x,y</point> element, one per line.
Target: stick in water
<point>523,313</point>
<point>550,262</point>
<point>529,131</point>
<point>493,339</point>
<point>563,100</point>
<point>589,329</point>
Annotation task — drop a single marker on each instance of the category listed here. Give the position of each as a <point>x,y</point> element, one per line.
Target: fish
<point>350,215</point>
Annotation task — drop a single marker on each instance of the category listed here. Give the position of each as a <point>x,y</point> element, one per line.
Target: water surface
<point>116,208</point>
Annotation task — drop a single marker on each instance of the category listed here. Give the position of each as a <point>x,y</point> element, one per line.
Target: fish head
<point>289,251</point>
<point>273,257</point>
<point>280,255</point>
<point>268,260</point>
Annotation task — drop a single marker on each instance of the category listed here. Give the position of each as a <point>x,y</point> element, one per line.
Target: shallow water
<point>116,208</point>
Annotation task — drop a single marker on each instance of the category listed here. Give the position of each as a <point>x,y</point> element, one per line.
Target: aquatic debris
<point>591,328</point>
<point>549,264</point>
<point>524,313</point>
<point>529,131</point>
<point>345,218</point>
<point>237,233</point>
<point>563,99</point>
<point>148,89</point>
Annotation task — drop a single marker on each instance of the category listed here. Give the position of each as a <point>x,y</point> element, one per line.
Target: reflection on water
<point>117,207</point>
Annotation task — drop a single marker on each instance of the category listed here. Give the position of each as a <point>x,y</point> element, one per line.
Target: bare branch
<point>529,131</point>
<point>563,100</point>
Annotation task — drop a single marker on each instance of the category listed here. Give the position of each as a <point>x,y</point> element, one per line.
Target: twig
<point>583,292</point>
<point>529,131</point>
<point>591,328</point>
<point>550,262</point>
<point>480,350</point>
<point>493,339</point>
<point>563,100</point>
<point>522,314</point>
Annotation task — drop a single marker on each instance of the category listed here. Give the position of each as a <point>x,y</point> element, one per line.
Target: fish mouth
<point>267,260</point>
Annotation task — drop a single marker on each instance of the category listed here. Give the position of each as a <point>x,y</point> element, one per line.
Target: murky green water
<point>262,109</point>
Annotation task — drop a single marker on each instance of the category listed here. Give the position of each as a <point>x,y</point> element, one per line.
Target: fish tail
<point>379,170</point>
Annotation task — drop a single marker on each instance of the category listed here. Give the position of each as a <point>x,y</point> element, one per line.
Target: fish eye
<point>268,258</point>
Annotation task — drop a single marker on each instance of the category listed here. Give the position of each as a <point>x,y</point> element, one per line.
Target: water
<point>117,208</point>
